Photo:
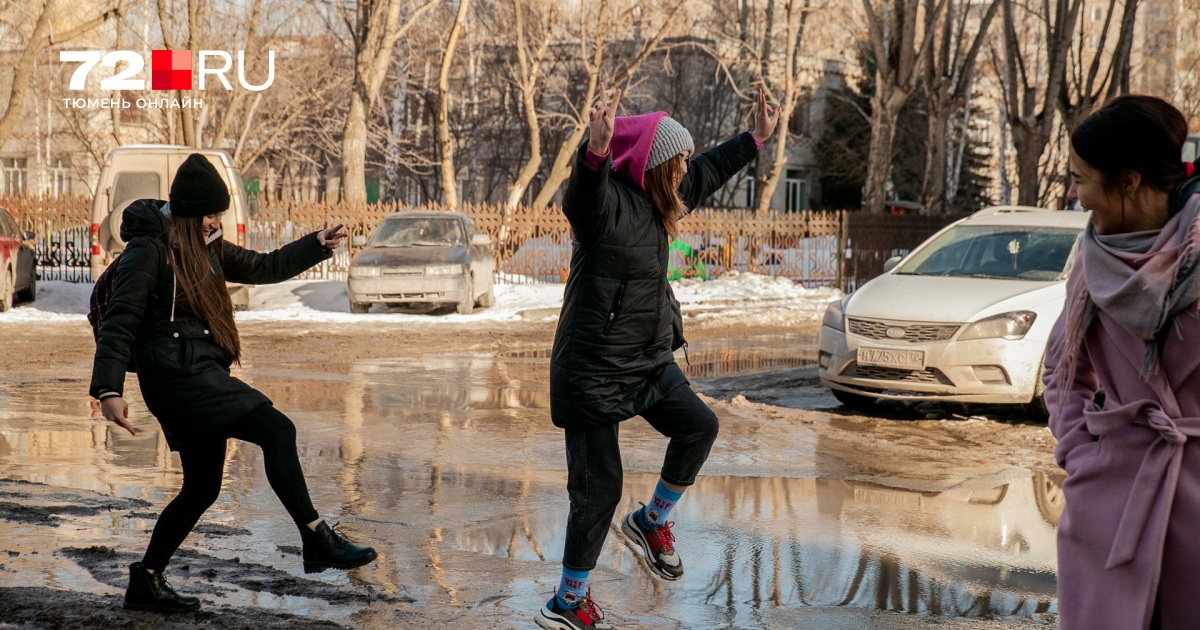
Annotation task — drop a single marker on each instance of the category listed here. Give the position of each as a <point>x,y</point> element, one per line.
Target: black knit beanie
<point>198,189</point>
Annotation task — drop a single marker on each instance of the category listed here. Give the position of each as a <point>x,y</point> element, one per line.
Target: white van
<point>145,171</point>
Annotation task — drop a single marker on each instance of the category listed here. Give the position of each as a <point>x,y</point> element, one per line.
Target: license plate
<point>892,358</point>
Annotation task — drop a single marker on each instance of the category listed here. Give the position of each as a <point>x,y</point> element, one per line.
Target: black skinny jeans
<point>204,468</point>
<point>594,476</point>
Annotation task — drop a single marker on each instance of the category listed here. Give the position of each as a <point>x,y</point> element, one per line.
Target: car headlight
<point>443,270</point>
<point>1007,326</point>
<point>364,272</point>
<point>835,315</point>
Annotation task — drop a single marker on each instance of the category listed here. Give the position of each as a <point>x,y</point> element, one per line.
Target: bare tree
<point>1107,75</point>
<point>949,76</point>
<point>445,142</point>
<point>1187,84</point>
<point>899,62</point>
<point>527,75</point>
<point>793,89</point>
<point>41,38</point>
<point>375,28</point>
<point>1032,77</point>
<point>595,31</point>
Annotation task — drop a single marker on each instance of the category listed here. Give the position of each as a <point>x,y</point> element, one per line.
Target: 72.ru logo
<point>169,69</point>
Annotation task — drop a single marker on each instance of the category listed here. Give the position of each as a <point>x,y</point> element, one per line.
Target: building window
<point>59,179</point>
<point>1094,42</point>
<point>15,176</point>
<point>796,190</point>
<point>751,184</point>
<point>1097,14</point>
<point>799,123</point>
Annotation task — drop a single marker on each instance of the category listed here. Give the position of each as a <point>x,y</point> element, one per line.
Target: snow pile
<point>735,298</point>
<point>56,302</point>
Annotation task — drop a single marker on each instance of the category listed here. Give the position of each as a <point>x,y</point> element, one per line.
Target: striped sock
<point>571,588</point>
<point>655,513</point>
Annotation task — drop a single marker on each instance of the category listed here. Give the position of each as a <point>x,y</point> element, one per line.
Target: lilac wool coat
<point>1129,538</point>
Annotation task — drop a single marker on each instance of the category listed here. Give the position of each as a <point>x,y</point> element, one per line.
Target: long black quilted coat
<point>612,356</point>
<point>184,375</point>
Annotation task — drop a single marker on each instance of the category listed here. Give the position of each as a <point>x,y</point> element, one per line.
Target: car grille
<point>931,376</point>
<point>913,333</point>
<point>403,271</point>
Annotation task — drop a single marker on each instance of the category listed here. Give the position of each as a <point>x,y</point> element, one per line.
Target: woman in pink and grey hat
<point>613,355</point>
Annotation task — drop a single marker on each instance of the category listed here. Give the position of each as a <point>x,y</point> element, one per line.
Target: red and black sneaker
<point>658,545</point>
<point>586,615</point>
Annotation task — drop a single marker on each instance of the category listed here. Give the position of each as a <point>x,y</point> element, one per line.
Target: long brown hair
<point>205,294</point>
<point>660,182</point>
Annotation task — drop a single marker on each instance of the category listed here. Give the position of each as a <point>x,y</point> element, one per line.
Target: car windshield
<point>996,251</point>
<point>418,232</point>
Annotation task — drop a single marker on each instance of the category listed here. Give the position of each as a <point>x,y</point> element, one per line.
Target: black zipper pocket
<point>615,310</point>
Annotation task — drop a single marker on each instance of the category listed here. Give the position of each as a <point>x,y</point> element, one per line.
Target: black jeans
<point>204,467</point>
<point>594,477</point>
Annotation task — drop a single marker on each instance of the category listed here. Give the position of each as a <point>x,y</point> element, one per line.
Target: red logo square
<point>170,69</point>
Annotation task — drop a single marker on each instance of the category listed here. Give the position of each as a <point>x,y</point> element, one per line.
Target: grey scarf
<point>1144,279</point>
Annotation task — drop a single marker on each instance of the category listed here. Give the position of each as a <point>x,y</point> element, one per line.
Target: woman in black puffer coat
<point>613,351</point>
<point>170,320</point>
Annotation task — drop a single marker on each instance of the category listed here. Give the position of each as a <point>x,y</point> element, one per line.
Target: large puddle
<point>450,466</point>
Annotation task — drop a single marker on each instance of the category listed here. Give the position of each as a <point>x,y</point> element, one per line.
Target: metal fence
<point>62,231</point>
<point>817,248</point>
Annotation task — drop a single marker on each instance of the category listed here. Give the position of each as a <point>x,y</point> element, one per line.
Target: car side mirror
<point>359,240</point>
<point>891,263</point>
<point>481,239</point>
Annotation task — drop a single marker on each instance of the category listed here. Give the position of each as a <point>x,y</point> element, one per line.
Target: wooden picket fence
<point>532,245</point>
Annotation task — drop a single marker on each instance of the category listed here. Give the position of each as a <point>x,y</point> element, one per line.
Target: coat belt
<point>1158,474</point>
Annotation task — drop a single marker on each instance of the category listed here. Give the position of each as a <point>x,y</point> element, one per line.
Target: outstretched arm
<point>251,267</point>
<point>588,200</point>
<point>709,171</point>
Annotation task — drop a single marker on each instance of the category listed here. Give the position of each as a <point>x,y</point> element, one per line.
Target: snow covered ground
<point>735,298</point>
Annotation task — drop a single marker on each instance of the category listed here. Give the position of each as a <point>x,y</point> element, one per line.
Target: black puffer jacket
<point>183,374</point>
<point>612,356</point>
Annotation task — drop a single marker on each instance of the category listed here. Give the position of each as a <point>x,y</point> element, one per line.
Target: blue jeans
<point>594,476</point>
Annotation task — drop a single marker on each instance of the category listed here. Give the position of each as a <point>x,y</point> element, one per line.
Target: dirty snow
<point>746,298</point>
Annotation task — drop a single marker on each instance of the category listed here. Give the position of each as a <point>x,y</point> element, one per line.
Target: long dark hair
<point>205,294</point>
<point>660,182</point>
<point>1134,133</point>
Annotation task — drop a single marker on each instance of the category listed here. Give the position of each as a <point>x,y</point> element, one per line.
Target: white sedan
<point>965,317</point>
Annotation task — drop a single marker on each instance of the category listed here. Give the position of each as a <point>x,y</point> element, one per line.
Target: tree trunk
<point>23,72</point>
<point>445,142</point>
<point>933,187</point>
<point>1030,141</point>
<point>354,150</point>
<point>885,108</point>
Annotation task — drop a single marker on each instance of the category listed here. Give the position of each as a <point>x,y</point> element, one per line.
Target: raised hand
<point>332,237</point>
<point>600,123</point>
<point>765,118</point>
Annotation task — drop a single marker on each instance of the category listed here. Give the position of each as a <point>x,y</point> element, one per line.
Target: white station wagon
<point>965,317</point>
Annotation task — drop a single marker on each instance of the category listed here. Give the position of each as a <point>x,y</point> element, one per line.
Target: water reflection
<point>449,464</point>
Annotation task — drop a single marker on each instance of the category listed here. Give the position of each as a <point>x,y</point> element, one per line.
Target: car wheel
<point>359,307</point>
<point>466,306</point>
<point>6,291</point>
<point>30,292</point>
<point>853,401</point>
<point>1037,407</point>
<point>1048,494</point>
<point>488,300</point>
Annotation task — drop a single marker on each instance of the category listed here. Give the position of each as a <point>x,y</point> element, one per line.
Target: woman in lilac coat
<point>1129,540</point>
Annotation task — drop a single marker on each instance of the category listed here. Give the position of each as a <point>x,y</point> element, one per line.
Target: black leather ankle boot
<point>149,591</point>
<point>327,549</point>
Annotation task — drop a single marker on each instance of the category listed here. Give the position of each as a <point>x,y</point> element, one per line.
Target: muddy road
<point>433,443</point>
